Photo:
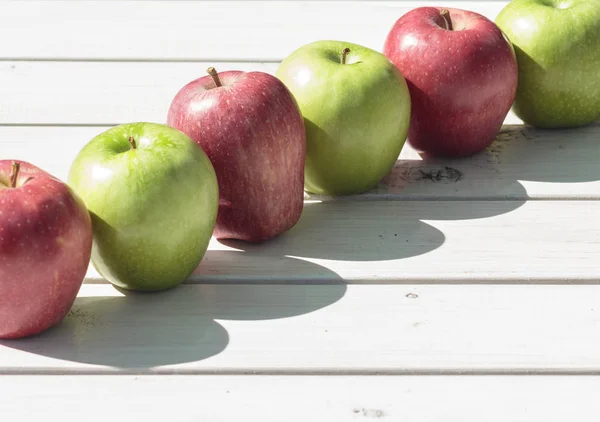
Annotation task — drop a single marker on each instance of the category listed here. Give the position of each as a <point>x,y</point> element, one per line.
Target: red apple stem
<point>445,14</point>
<point>213,73</point>
<point>132,142</point>
<point>344,54</point>
<point>14,173</point>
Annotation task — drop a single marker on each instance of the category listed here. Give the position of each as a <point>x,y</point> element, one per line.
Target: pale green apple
<point>356,114</point>
<point>557,43</point>
<point>153,197</point>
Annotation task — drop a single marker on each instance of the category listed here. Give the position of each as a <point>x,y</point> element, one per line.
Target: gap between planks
<point>309,372</point>
<point>450,281</point>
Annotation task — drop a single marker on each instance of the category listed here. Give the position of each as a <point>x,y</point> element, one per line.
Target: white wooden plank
<point>301,399</point>
<point>227,30</point>
<point>98,93</point>
<point>424,242</point>
<point>523,163</point>
<point>323,329</point>
<point>102,93</point>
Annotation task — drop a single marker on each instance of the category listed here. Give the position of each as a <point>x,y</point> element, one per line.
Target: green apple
<point>557,43</point>
<point>356,109</point>
<point>153,197</point>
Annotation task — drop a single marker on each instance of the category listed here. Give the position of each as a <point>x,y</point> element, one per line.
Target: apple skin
<point>253,133</point>
<point>153,208</point>
<point>462,82</point>
<point>558,51</point>
<point>45,248</point>
<point>356,114</point>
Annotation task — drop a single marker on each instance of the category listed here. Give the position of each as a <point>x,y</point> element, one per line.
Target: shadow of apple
<point>346,231</point>
<point>259,263</point>
<point>103,331</point>
<point>133,330</point>
<point>266,302</point>
<point>259,287</point>
<point>550,155</point>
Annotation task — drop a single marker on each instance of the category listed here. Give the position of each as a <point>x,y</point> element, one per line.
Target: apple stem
<point>344,54</point>
<point>14,173</point>
<point>213,73</point>
<point>132,142</point>
<point>445,14</point>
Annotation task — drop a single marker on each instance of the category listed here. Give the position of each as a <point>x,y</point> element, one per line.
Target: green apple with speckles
<point>557,43</point>
<point>152,194</point>
<point>356,109</point>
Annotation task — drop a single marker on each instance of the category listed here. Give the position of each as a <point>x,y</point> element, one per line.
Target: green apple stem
<point>14,173</point>
<point>344,54</point>
<point>445,14</point>
<point>132,142</point>
<point>213,73</point>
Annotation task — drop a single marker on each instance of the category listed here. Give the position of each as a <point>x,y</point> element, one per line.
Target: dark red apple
<point>45,248</point>
<point>462,76</point>
<point>251,128</point>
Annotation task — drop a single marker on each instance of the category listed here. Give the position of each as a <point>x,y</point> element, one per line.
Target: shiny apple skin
<point>462,82</point>
<point>45,249</point>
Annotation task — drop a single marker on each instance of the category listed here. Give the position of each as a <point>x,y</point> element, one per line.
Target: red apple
<point>462,76</point>
<point>45,248</point>
<point>251,128</point>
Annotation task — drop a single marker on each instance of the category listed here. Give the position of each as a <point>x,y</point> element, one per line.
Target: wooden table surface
<point>457,290</point>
